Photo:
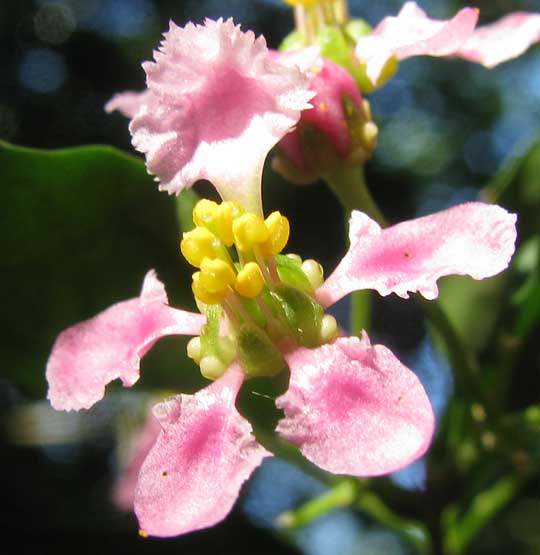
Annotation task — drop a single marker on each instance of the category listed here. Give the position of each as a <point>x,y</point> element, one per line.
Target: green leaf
<point>473,306</point>
<point>517,186</point>
<point>81,227</point>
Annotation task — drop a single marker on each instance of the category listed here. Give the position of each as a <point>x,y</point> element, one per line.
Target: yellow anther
<point>278,227</point>
<point>216,275</point>
<point>197,244</point>
<point>203,212</point>
<point>223,218</point>
<point>202,294</point>
<point>249,281</point>
<point>248,230</point>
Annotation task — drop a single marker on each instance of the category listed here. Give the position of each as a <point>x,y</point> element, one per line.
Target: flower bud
<point>337,131</point>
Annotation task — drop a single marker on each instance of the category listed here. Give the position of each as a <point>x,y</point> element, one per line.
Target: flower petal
<point>127,103</point>
<point>193,474</point>
<point>219,104</point>
<point>413,33</point>
<point>89,355</point>
<point>503,40</point>
<point>472,239</point>
<point>353,408</point>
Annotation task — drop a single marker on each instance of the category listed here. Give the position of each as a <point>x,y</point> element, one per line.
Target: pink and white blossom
<point>413,33</point>
<point>205,451</point>
<point>363,389</point>
<point>351,407</point>
<point>217,124</point>
<point>89,355</point>
<point>473,239</point>
<point>507,38</point>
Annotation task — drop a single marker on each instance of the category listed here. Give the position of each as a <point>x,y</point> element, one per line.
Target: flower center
<point>254,297</point>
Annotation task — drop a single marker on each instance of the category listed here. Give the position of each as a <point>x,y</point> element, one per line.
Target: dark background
<point>446,127</point>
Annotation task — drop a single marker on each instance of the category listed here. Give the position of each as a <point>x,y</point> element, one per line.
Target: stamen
<point>265,296</point>
<point>249,281</point>
<point>248,231</point>
<point>223,219</point>
<point>197,244</point>
<point>279,229</point>
<point>203,294</point>
<point>203,213</point>
<point>216,275</point>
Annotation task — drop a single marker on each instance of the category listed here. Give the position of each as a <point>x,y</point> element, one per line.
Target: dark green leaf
<point>81,227</point>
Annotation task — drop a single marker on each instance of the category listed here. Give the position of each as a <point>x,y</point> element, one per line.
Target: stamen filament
<point>272,269</point>
<point>263,266</point>
<point>237,305</point>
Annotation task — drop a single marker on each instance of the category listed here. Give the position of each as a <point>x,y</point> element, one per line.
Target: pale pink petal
<point>503,40</point>
<point>353,408</point>
<point>413,33</point>
<point>89,355</point>
<point>472,239</point>
<point>219,104</point>
<point>205,452</point>
<point>127,103</point>
<point>124,489</point>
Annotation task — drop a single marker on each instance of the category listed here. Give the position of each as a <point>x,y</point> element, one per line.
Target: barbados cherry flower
<point>225,118</point>
<point>351,407</point>
<point>413,33</point>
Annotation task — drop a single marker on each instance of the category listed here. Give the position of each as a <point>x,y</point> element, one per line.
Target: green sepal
<point>293,41</point>
<point>355,29</point>
<point>257,353</point>
<point>303,314</point>
<point>290,271</point>
<point>211,343</point>
<point>254,310</point>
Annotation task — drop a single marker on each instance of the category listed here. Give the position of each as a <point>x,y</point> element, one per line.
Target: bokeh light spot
<point>42,70</point>
<point>54,23</point>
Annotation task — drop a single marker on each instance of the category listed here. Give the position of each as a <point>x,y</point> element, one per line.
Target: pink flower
<point>89,355</point>
<point>413,33</point>
<point>217,123</point>
<point>503,40</point>
<point>351,407</point>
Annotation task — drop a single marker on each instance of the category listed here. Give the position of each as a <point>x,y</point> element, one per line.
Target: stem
<point>360,311</point>
<point>350,187</point>
<point>464,364</point>
<point>412,530</point>
<point>460,532</point>
<point>340,495</point>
